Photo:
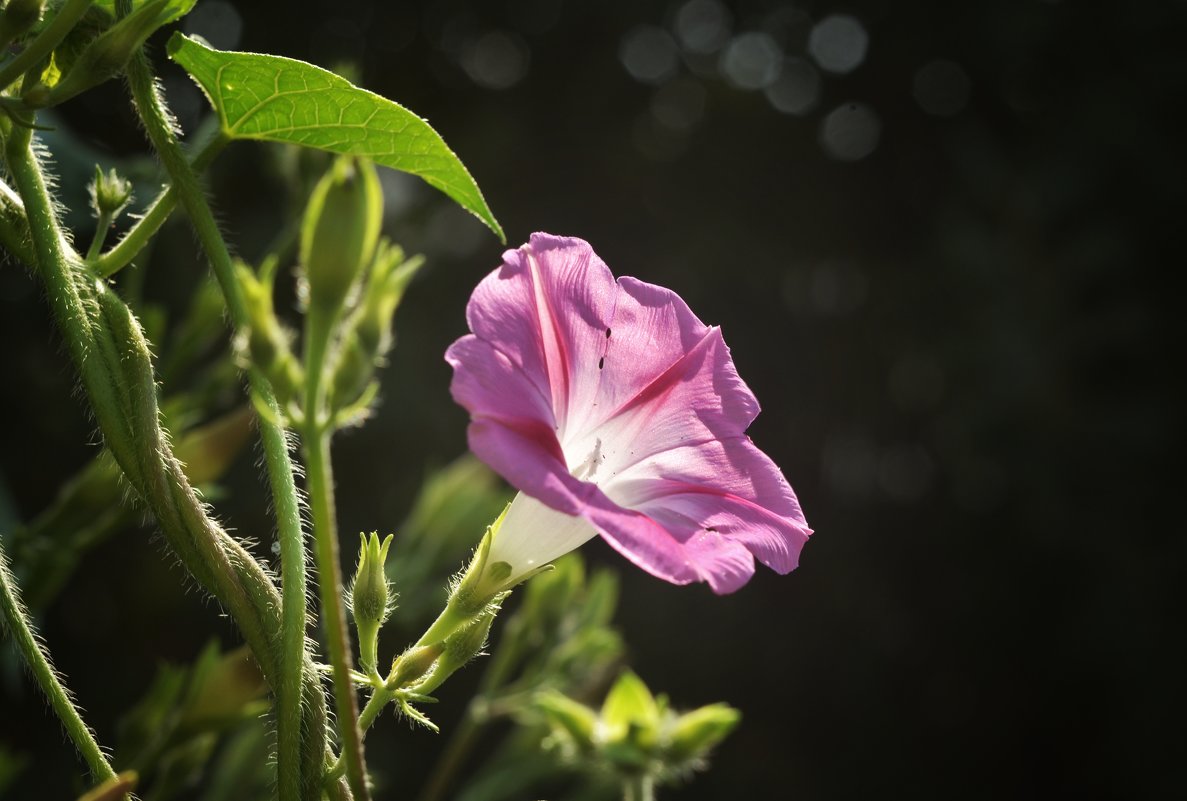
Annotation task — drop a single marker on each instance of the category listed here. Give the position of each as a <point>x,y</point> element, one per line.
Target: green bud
<point>630,713</point>
<point>463,645</point>
<point>110,193</point>
<point>695,733</point>
<point>267,341</point>
<point>411,665</point>
<point>340,232</point>
<point>107,53</point>
<point>370,602</point>
<point>576,720</point>
<point>368,337</point>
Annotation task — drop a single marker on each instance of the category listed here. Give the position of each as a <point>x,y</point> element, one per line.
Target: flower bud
<point>463,645</point>
<point>411,665</point>
<point>370,596</point>
<point>368,336</point>
<point>696,732</point>
<point>340,232</point>
<point>106,54</point>
<point>267,341</point>
<point>110,193</point>
<point>630,712</point>
<point>576,720</point>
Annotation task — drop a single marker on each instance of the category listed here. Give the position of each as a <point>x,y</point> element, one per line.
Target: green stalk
<point>293,604</point>
<point>294,771</point>
<point>638,788</point>
<point>49,38</point>
<point>320,476</point>
<point>17,624</point>
<point>134,241</point>
<point>119,382</point>
<point>102,226</point>
<point>14,228</point>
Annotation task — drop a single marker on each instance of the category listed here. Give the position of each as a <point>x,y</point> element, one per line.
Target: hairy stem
<point>291,668</point>
<point>14,228</point>
<point>293,612</point>
<point>320,475</point>
<point>17,624</point>
<point>102,226</point>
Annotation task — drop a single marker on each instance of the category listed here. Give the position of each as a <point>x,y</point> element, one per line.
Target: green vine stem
<point>50,37</point>
<point>14,228</point>
<point>294,615</point>
<point>291,667</point>
<point>638,788</point>
<point>112,357</point>
<point>320,476</point>
<point>17,624</point>
<point>121,253</point>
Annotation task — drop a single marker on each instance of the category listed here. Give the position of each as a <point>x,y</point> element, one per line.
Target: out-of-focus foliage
<point>170,736</point>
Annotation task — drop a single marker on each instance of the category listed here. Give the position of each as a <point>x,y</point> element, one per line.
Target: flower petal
<point>699,398</point>
<point>728,488</point>
<point>612,401</point>
<point>546,309</point>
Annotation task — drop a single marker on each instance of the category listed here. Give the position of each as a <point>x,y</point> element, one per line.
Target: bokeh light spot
<point>850,132</point>
<point>751,61</point>
<point>703,26</point>
<point>838,43</point>
<point>217,22</point>
<point>649,54</point>
<point>496,60</point>
<point>797,89</point>
<point>941,88</point>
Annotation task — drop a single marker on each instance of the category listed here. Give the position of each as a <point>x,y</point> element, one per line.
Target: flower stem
<point>638,788</point>
<point>294,771</point>
<point>14,228</point>
<point>50,37</point>
<point>17,624</point>
<point>320,477</point>
<point>293,604</point>
<point>134,241</point>
<point>102,226</point>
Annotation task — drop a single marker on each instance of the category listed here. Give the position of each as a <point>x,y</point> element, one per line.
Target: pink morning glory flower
<point>615,411</point>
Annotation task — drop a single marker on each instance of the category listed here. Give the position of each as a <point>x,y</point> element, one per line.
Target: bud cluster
<point>635,736</point>
<point>351,283</point>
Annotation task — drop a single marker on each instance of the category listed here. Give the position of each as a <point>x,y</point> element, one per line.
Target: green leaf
<point>278,99</point>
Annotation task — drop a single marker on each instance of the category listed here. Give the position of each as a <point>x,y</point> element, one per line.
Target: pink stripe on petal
<point>546,309</point>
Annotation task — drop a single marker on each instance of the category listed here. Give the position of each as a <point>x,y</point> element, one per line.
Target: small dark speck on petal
<point>601,362</point>
<point>607,333</point>
<point>710,528</point>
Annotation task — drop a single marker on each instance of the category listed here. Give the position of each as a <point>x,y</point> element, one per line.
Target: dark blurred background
<point>943,242</point>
